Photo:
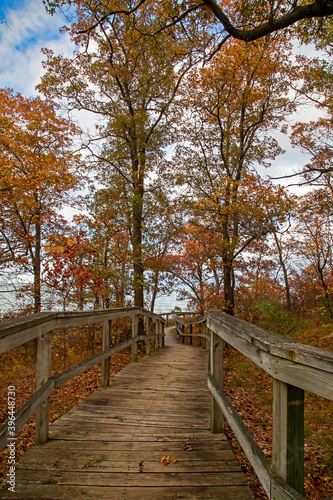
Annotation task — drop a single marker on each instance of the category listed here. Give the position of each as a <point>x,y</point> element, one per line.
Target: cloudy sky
<point>25,29</point>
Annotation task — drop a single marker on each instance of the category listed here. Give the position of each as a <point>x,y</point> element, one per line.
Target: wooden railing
<point>40,326</point>
<point>184,328</point>
<point>294,367</point>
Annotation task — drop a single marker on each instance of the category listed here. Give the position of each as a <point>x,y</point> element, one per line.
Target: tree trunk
<point>155,289</point>
<point>37,268</point>
<point>285,272</point>
<point>229,298</point>
<point>327,300</point>
<point>137,209</point>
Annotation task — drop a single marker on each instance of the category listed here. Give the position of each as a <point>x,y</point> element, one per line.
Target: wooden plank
<point>140,465</point>
<point>282,491</point>
<point>67,435</point>
<point>54,456</point>
<point>161,479</point>
<point>137,446</point>
<point>120,423</point>
<point>20,334</point>
<point>306,355</point>
<point>105,375</point>
<point>20,330</point>
<point>277,345</point>
<point>43,374</point>
<point>27,491</point>
<point>305,377</point>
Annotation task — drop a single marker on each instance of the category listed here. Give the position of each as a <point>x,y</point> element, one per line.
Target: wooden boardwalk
<point>110,446</point>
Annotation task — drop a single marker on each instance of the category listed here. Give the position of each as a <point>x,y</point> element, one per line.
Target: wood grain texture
<point>111,445</point>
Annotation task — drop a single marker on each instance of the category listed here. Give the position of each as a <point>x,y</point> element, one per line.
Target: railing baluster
<point>43,373</point>
<point>163,333</point>
<point>156,330</point>
<point>107,328</point>
<point>135,330</point>
<point>148,332</point>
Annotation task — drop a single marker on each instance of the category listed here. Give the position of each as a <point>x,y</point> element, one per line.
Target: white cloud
<point>28,28</point>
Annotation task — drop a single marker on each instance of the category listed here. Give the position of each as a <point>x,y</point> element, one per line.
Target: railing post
<point>135,330</point>
<point>105,378</point>
<point>191,330</point>
<point>183,338</point>
<point>288,434</point>
<point>148,332</point>
<point>206,331</point>
<point>163,333</point>
<point>156,331</point>
<point>216,371</point>
<point>43,373</point>
<point>160,332</point>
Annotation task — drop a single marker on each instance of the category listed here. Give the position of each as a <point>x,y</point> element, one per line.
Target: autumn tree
<point>257,280</point>
<point>38,171</point>
<point>129,81</point>
<point>195,266</point>
<point>69,264</point>
<point>314,138</point>
<point>109,220</point>
<point>233,105</point>
<point>163,224</point>
<point>315,246</point>
<point>248,20</point>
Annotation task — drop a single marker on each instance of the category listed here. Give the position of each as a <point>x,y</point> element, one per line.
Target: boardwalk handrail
<point>295,368</point>
<point>182,324</point>
<point>40,326</point>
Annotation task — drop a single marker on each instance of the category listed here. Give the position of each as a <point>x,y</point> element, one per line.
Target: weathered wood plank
<point>105,375</point>
<point>43,374</point>
<point>273,343</point>
<point>92,446</point>
<point>305,377</point>
<point>161,479</point>
<point>140,465</point>
<point>55,492</point>
<point>20,330</point>
<point>55,456</point>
